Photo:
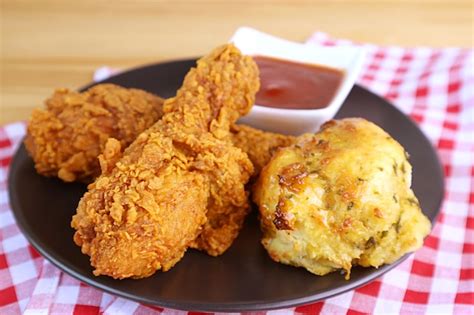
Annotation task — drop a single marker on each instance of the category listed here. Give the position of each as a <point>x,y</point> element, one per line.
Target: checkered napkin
<point>435,87</point>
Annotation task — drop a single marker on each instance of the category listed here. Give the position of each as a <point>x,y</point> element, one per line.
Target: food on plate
<point>66,137</point>
<point>181,183</point>
<point>172,175</point>
<point>258,144</point>
<point>338,198</point>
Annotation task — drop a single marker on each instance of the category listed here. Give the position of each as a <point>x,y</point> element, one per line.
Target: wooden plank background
<point>49,44</point>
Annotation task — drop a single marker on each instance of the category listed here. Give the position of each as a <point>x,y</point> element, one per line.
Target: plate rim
<point>227,306</point>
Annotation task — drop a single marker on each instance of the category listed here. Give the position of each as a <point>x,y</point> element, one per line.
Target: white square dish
<point>348,59</point>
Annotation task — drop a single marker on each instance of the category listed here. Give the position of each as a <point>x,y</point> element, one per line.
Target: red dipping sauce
<point>293,85</point>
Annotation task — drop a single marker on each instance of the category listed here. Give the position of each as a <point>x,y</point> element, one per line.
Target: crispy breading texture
<point>258,144</point>
<point>66,137</point>
<point>180,184</point>
<point>338,198</point>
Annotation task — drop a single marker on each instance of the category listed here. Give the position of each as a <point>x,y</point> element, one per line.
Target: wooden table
<point>48,44</point>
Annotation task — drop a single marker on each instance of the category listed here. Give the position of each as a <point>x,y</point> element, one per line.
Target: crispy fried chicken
<point>181,183</point>
<point>66,137</point>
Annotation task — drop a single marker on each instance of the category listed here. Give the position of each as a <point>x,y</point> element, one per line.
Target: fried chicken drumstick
<point>66,137</point>
<point>181,183</point>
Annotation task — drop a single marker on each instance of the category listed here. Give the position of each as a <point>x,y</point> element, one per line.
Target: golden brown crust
<point>66,137</point>
<point>258,144</point>
<point>180,183</point>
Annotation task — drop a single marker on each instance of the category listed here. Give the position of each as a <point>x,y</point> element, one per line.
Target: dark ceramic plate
<point>244,278</point>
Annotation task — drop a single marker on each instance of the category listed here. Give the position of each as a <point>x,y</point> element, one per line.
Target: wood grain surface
<point>49,44</point>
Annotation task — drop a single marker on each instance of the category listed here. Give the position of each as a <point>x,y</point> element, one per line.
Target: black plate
<point>244,278</point>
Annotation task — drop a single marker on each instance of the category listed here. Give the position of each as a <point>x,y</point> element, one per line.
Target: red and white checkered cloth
<point>435,87</point>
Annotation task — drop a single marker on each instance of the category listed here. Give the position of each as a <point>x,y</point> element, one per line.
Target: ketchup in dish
<point>293,85</point>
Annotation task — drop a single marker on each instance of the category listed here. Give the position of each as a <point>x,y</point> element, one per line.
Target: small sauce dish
<point>348,60</point>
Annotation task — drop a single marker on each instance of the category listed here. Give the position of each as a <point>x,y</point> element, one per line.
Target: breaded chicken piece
<point>66,137</point>
<point>258,144</point>
<point>180,183</point>
<point>339,198</point>
<point>224,219</point>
